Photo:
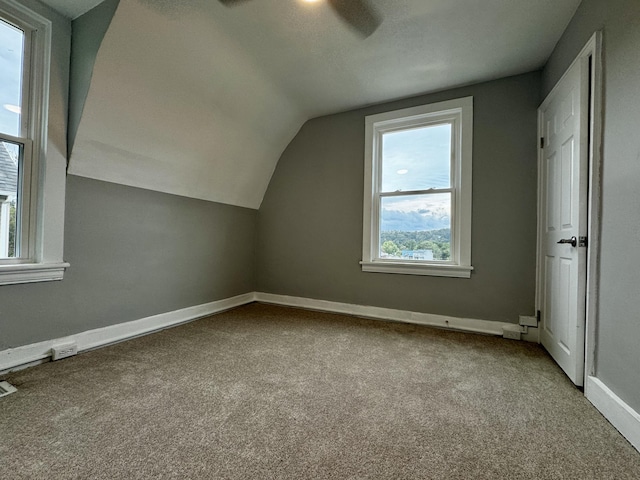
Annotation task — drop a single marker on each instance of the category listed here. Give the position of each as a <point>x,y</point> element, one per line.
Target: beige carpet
<point>268,392</point>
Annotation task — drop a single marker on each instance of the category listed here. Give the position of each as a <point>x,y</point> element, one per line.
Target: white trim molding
<point>35,353</point>
<point>624,418</point>
<point>614,409</point>
<point>594,50</point>
<point>378,313</point>
<point>458,115</point>
<point>32,272</point>
<point>16,358</point>
<point>444,270</point>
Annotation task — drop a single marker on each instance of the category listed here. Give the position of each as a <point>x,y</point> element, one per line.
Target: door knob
<point>573,241</point>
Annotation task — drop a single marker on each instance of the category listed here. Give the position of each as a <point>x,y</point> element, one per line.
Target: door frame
<point>592,50</point>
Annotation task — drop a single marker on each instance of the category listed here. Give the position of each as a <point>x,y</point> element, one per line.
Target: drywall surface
<point>618,329</point>
<point>198,99</point>
<point>87,34</point>
<point>175,106</point>
<point>310,222</point>
<point>133,253</point>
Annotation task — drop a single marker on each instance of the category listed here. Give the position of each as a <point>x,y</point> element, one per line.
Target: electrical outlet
<point>64,351</point>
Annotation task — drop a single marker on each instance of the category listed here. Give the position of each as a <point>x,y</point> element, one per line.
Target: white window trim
<point>461,111</point>
<point>44,248</point>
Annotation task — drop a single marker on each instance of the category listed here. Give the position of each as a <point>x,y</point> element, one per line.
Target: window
<point>30,250</point>
<point>417,203</point>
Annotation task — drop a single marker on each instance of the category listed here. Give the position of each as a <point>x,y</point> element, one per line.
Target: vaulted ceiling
<point>198,99</point>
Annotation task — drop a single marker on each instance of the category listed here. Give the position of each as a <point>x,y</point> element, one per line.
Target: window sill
<point>32,272</point>
<point>459,271</point>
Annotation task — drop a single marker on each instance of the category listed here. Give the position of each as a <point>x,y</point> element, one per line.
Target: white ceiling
<point>200,100</point>
<point>72,8</point>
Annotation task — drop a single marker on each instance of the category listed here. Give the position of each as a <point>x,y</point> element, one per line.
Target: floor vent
<point>6,389</point>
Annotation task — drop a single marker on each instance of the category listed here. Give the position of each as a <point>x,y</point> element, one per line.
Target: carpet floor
<point>266,392</point>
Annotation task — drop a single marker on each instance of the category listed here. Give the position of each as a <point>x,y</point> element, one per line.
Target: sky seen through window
<point>11,56</point>
<point>416,159</point>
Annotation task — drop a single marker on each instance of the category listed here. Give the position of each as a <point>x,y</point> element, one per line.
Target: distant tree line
<point>393,242</point>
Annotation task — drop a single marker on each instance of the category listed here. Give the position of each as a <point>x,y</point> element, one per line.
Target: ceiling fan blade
<point>358,14</point>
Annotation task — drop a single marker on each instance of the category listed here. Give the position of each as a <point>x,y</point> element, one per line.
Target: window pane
<point>11,60</point>
<point>9,219</point>
<point>417,159</point>
<point>416,227</point>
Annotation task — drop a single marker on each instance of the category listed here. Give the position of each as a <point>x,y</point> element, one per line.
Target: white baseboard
<point>614,409</point>
<point>621,415</point>
<point>15,358</point>
<point>442,321</point>
<point>28,355</point>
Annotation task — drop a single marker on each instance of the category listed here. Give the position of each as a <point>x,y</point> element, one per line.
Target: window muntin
<point>417,215</point>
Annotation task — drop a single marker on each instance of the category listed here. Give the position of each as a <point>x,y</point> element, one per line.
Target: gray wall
<point>310,222</point>
<point>618,329</point>
<point>88,31</point>
<point>133,253</point>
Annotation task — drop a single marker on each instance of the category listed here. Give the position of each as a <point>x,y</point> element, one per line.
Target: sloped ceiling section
<point>176,106</point>
<point>196,99</point>
<point>72,8</point>
<point>88,31</point>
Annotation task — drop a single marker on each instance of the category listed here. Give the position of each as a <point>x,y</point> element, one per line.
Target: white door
<point>563,190</point>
